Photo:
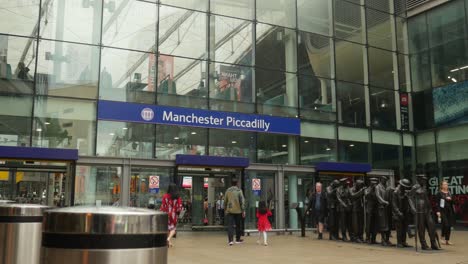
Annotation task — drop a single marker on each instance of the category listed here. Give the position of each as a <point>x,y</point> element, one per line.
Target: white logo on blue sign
<point>147,114</point>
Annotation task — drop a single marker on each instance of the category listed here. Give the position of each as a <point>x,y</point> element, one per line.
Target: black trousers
<point>425,221</point>
<point>446,227</point>
<point>333,222</point>
<point>345,224</point>
<point>358,225</point>
<point>371,225</point>
<point>234,224</point>
<point>401,226</point>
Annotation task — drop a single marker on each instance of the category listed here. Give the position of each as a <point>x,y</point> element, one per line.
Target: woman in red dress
<point>263,223</point>
<point>172,205</point>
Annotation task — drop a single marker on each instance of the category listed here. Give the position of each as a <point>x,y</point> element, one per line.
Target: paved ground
<point>211,248</point>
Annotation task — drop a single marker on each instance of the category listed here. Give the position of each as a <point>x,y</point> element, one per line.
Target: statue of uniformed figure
<point>344,208</point>
<point>401,211</point>
<point>382,209</point>
<point>422,210</point>
<point>371,212</point>
<point>357,211</point>
<point>332,210</point>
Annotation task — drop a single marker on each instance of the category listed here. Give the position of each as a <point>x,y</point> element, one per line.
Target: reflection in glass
<point>282,13</point>
<point>314,16</point>
<point>66,69</point>
<point>173,140</point>
<point>417,34</point>
<point>232,40</point>
<point>140,193</point>
<point>119,139</point>
<point>348,54</point>
<point>381,71</point>
<point>182,32</point>
<point>316,98</point>
<point>127,76</point>
<point>64,123</point>
<point>446,24</point>
<point>315,150</point>
<point>276,48</point>
<point>385,156</point>
<point>239,8</point>
<point>420,71</point>
<point>348,22</point>
<point>19,17</point>
<point>182,82</point>
<point>231,88</point>
<point>402,35</point>
<point>449,63</point>
<point>15,120</point>
<point>314,55</point>
<point>272,148</point>
<point>379,29</point>
<point>403,73</point>
<point>131,24</point>
<point>351,104</point>
<point>382,105</point>
<point>425,148</point>
<point>353,151</point>
<point>95,184</point>
<point>276,93</point>
<point>201,5</point>
<point>17,64</point>
<point>231,143</point>
<point>78,21</point>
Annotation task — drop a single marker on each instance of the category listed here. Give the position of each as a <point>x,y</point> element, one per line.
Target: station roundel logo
<point>147,114</point>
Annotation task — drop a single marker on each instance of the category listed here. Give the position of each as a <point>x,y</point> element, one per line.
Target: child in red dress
<point>263,224</point>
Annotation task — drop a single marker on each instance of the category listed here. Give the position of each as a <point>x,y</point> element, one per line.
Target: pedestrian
<point>317,208</point>
<point>445,211</point>
<point>220,208</point>
<point>263,224</point>
<point>172,205</point>
<point>235,210</point>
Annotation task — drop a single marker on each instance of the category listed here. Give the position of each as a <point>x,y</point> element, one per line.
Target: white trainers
<point>231,243</point>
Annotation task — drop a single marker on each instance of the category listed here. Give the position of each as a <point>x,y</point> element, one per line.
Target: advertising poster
<point>404,102</point>
<point>229,82</point>
<point>165,71</point>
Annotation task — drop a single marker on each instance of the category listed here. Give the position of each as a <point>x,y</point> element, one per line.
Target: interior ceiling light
<point>454,70</point>
<point>284,146</point>
<point>176,138</point>
<point>234,142</point>
<point>193,133</point>
<point>351,145</point>
<point>454,80</point>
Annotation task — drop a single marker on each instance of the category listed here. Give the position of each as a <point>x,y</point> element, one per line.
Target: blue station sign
<point>167,115</point>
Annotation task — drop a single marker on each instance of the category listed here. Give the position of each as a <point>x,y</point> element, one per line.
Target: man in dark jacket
<point>318,208</point>
<point>382,209</point>
<point>401,211</point>
<point>357,201</point>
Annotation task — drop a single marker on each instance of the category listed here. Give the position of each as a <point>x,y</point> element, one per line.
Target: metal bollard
<point>104,235</point>
<point>20,233</point>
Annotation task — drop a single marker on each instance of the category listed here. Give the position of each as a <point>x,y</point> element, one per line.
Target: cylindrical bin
<point>104,235</point>
<point>20,233</point>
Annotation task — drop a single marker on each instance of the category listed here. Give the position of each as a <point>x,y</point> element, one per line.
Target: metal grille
<point>414,3</point>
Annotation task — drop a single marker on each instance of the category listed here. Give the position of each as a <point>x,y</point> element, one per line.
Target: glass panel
<point>232,39</point>
<point>446,23</point>
<point>94,184</point>
<point>239,8</point>
<point>353,134</point>
<point>352,151</point>
<point>380,5</point>
<point>69,70</point>
<point>201,5</point>
<point>385,157</point>
<point>315,150</point>
<point>417,34</point>
<point>64,123</point>
<point>402,35</point>
<point>449,63</point>
<point>276,93</point>
<point>267,181</point>
<point>173,140</point>
<point>78,21</point>
<point>131,24</point>
<point>425,148</point>
<point>314,16</point>
<point>420,72</point>
<point>15,121</point>
<point>379,29</point>
<point>182,82</point>
<point>347,54</point>
<point>140,194</point>
<point>17,64</point>
<point>231,88</point>
<point>297,189</point>
<point>19,17</point>
<point>119,139</point>
<point>276,48</point>
<point>272,148</point>
<point>382,105</point>
<point>282,13</point>
<point>348,22</point>
<point>403,73</point>
<point>453,143</point>
<point>381,71</point>
<point>423,109</point>
<point>316,98</point>
<point>229,143</point>
<point>386,137</point>
<point>127,76</point>
<point>314,55</point>
<point>351,104</point>
<point>182,32</point>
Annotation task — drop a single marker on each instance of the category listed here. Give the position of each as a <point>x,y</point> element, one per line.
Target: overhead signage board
<point>156,114</point>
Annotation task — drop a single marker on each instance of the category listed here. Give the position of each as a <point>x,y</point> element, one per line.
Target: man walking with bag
<point>234,205</point>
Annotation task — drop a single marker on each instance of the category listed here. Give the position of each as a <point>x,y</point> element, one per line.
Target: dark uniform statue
<point>344,208</point>
<point>401,212</point>
<point>357,201</point>
<point>382,209</point>
<point>371,211</point>
<point>332,210</point>
<point>422,209</point>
